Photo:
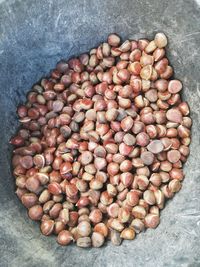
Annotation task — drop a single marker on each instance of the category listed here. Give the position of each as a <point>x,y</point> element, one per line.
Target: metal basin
<point>34,35</point>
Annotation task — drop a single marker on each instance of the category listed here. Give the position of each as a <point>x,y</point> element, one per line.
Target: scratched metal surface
<point>34,35</point>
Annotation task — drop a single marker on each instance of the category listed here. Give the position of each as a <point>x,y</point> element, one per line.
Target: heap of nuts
<point>102,143</point>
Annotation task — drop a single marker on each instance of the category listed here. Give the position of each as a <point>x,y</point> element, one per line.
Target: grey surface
<point>34,35</point>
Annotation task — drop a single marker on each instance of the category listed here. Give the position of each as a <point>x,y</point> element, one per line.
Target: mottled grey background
<point>34,35</point>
